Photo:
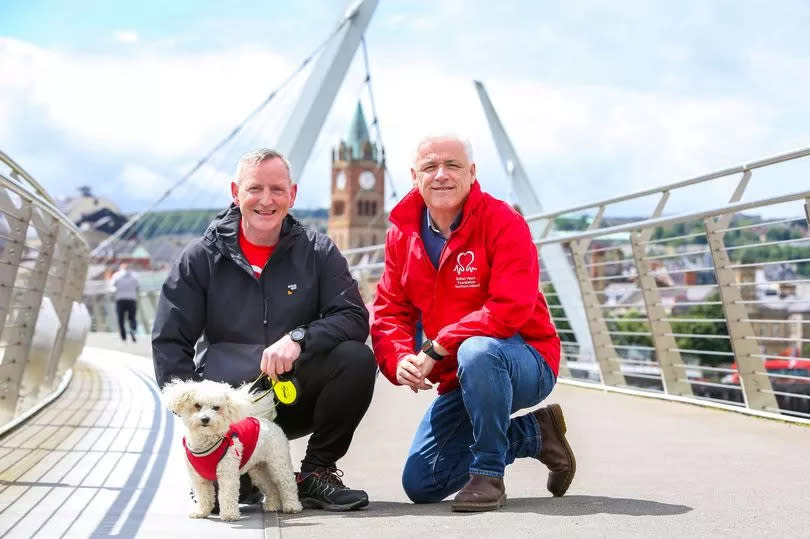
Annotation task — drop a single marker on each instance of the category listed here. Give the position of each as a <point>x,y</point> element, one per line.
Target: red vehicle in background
<point>790,381</point>
<point>790,371</point>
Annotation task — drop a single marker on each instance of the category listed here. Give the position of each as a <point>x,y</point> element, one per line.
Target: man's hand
<point>409,372</point>
<point>279,357</point>
<point>425,363</point>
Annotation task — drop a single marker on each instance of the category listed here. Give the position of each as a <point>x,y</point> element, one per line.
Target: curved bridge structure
<point>685,376</point>
<point>651,415</point>
<point>43,321</point>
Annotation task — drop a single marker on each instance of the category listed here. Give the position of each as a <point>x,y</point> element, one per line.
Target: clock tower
<point>357,212</point>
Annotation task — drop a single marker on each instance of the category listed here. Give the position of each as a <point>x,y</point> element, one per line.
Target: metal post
<point>144,319</point>
<point>11,253</point>
<point>756,387</point>
<point>31,291</point>
<point>673,378</point>
<point>603,349</point>
<point>11,367</point>
<point>74,290</point>
<point>61,295</point>
<point>97,320</point>
<point>562,370</point>
<point>110,314</point>
<point>306,119</point>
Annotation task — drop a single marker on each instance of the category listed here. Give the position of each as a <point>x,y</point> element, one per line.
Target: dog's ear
<point>177,394</point>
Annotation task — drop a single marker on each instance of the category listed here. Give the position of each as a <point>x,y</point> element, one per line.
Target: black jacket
<point>212,292</point>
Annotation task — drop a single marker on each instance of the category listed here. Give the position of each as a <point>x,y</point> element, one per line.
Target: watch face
<point>367,180</point>
<point>297,334</point>
<point>340,180</point>
<point>427,345</point>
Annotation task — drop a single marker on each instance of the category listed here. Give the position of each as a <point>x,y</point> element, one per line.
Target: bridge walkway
<point>105,460</point>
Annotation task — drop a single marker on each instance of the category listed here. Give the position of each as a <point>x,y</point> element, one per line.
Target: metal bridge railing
<point>711,306</point>
<point>698,318</point>
<point>43,268</point>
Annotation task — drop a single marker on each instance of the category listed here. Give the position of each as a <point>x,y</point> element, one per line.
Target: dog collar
<point>205,452</point>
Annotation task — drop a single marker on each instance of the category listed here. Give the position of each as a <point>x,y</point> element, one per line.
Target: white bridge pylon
<point>306,120</point>
<point>559,270</point>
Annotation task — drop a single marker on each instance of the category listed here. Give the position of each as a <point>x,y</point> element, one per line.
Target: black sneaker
<point>323,489</point>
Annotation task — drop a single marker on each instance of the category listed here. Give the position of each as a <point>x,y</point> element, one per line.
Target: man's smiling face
<point>264,194</point>
<point>443,174</point>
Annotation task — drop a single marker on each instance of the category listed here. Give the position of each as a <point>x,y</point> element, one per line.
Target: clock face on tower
<point>340,180</point>
<point>367,180</point>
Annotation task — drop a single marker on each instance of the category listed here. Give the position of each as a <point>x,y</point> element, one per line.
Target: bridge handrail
<point>745,167</point>
<point>19,171</point>
<point>46,203</point>
<point>44,322</point>
<point>672,219</point>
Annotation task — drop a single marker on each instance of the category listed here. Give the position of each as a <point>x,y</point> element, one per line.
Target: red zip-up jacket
<point>486,285</point>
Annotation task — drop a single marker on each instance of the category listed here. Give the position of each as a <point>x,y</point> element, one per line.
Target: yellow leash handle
<point>285,390</point>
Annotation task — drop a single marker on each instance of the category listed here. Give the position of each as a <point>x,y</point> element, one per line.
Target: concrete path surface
<point>105,460</point>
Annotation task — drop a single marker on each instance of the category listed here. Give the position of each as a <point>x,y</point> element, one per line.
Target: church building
<point>357,213</point>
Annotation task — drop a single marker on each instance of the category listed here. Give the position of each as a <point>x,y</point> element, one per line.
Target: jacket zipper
<point>441,257</point>
<point>437,269</point>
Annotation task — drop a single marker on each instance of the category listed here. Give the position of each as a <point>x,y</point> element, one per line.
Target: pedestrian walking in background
<point>125,284</point>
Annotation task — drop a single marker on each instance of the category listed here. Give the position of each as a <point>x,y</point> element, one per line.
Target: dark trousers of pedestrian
<point>125,308</point>
<point>334,392</point>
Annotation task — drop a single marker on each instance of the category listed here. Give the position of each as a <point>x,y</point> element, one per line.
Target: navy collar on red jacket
<point>409,212</point>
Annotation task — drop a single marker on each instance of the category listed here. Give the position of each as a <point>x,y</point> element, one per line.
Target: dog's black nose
<point>204,420</point>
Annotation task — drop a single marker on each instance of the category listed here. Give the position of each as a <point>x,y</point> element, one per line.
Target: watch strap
<point>303,338</point>
<point>430,351</point>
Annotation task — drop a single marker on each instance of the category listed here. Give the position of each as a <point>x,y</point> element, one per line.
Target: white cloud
<point>577,142</point>
<point>591,114</point>
<point>126,36</point>
<point>164,105</point>
<point>141,183</point>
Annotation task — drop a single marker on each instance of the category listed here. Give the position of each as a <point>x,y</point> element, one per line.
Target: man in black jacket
<point>266,294</point>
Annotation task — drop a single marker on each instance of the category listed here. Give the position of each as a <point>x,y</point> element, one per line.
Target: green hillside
<point>194,222</point>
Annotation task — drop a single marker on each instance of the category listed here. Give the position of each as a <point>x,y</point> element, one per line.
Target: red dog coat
<point>206,462</point>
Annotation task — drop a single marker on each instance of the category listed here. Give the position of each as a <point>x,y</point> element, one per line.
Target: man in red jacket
<point>464,263</point>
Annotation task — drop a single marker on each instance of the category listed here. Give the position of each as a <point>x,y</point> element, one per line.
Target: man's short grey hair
<point>465,142</point>
<point>256,157</point>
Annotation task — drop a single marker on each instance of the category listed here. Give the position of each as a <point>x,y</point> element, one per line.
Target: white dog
<point>229,435</point>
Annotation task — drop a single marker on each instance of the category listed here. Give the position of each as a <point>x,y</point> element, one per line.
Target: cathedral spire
<point>358,142</point>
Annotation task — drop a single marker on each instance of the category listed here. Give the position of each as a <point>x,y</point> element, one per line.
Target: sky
<point>600,98</point>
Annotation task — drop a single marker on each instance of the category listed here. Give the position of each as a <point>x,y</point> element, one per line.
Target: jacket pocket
<point>233,363</point>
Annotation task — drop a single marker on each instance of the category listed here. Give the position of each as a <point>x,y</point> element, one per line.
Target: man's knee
<point>477,350</point>
<point>418,483</point>
<point>356,360</point>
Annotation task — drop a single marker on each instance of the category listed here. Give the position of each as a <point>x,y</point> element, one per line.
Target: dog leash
<point>286,390</point>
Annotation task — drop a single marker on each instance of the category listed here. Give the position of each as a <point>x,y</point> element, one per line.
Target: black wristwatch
<point>298,335</point>
<point>427,348</point>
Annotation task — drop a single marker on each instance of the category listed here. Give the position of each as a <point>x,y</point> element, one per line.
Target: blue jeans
<point>469,430</point>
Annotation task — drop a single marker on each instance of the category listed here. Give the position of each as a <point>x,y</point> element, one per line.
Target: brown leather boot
<point>481,493</point>
<point>555,453</point>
